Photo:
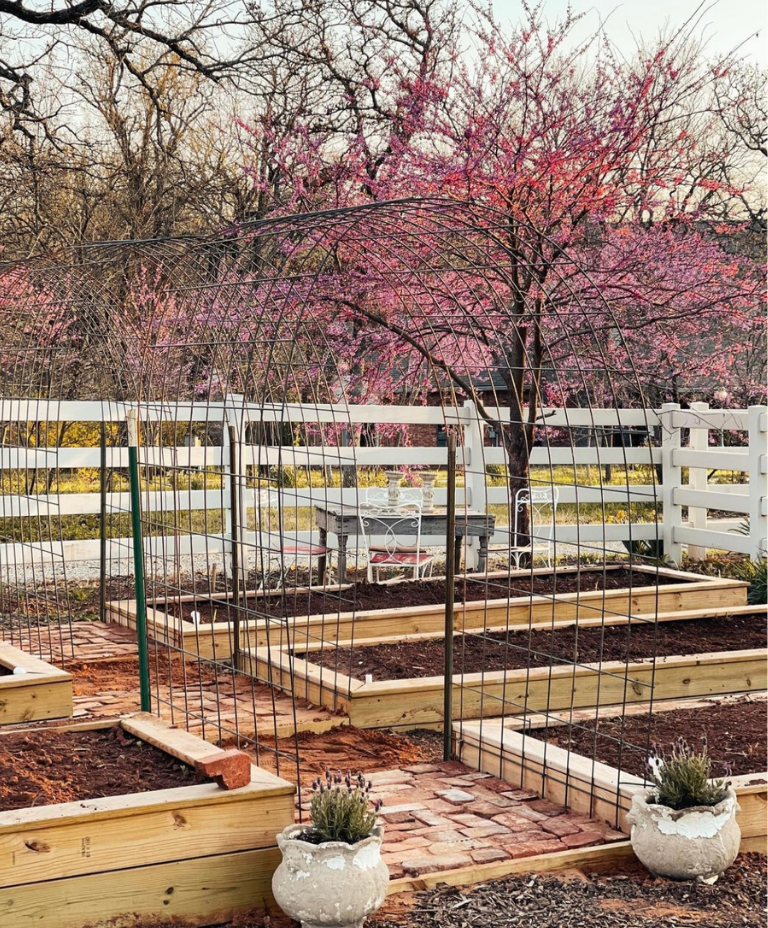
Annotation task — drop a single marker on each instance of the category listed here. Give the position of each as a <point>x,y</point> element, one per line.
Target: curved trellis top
<point>388,302</point>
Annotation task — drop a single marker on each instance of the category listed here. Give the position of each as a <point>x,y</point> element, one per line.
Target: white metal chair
<point>541,503</point>
<point>397,534</point>
<point>278,545</point>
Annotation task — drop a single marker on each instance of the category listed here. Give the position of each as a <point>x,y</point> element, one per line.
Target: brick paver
<point>439,833</point>
<point>440,816</point>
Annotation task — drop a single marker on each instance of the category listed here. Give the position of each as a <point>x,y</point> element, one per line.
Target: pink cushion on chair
<point>408,558</point>
<point>304,549</point>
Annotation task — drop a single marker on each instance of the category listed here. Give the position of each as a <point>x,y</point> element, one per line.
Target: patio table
<point>344,521</point>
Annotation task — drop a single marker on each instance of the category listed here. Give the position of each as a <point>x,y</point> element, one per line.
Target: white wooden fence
<point>701,454</point>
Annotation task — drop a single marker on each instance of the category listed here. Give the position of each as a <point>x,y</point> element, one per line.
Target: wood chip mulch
<point>630,898</point>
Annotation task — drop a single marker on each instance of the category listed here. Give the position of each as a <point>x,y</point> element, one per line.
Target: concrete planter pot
<point>330,885</point>
<point>688,844</point>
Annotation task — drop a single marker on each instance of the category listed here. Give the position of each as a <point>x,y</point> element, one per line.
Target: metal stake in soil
<point>450,575</point>
<point>132,421</point>
<point>234,491</point>
<point>103,524</point>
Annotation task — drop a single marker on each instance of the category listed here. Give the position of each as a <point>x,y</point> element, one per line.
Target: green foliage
<point>755,573</point>
<point>681,778</point>
<point>340,809</point>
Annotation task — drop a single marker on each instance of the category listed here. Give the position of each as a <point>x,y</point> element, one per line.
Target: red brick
<point>558,826</point>
<point>535,847</point>
<point>495,784</point>
<point>546,807</point>
<point>487,809</point>
<point>453,767</point>
<point>230,769</point>
<point>582,839</point>
<point>428,864</point>
<point>487,855</point>
<point>522,795</point>
<point>522,837</point>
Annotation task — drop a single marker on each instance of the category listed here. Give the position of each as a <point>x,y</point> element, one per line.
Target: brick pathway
<point>216,709</point>
<point>441,816</point>
<point>89,641</point>
<point>446,816</point>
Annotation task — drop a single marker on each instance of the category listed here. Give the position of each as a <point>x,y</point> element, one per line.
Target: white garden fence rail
<point>699,513</point>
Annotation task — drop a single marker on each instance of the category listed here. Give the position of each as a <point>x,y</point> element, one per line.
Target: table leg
<point>482,554</point>
<point>343,558</point>
<point>322,560</point>
<point>458,541</point>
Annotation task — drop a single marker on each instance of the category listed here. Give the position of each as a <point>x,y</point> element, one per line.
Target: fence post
<point>474,475</point>
<point>671,475</point>
<point>758,482</point>
<point>697,479</point>
<point>233,416</point>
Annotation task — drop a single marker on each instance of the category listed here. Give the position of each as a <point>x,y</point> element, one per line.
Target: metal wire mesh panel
<point>287,373</point>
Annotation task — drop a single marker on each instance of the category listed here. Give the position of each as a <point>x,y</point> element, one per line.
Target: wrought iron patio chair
<point>541,503</point>
<point>395,533</point>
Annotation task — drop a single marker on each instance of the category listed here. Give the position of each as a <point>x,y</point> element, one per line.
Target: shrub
<point>681,778</point>
<point>340,809</point>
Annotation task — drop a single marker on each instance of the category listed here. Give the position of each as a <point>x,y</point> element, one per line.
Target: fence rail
<point>698,513</point>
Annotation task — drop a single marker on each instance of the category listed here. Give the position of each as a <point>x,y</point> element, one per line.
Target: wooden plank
<point>202,891</point>
<point>42,692</point>
<point>410,702</point>
<point>209,641</point>
<point>36,702</point>
<point>585,786</point>
<point>592,859</point>
<point>137,837</point>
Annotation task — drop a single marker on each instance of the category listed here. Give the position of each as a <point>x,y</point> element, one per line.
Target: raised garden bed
<point>41,692</point>
<point>544,647</point>
<point>197,851</point>
<point>534,759</point>
<point>418,607</point>
<point>552,685</point>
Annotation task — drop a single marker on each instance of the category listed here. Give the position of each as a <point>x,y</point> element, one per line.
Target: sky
<point>724,23</point>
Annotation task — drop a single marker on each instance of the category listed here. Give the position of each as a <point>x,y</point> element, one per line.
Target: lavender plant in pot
<point>684,827</point>
<point>332,874</point>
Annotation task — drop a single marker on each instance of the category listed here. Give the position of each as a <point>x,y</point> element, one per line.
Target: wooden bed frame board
<point>215,641</point>
<point>42,692</point>
<point>199,852</point>
<point>414,702</point>
<point>588,787</point>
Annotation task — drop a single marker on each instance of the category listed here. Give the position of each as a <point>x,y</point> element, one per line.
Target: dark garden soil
<point>735,733</point>
<point>625,897</point>
<point>474,653</point>
<point>46,766</point>
<point>405,595</point>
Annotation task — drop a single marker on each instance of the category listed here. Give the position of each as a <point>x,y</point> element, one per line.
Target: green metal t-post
<point>450,582</point>
<point>132,421</point>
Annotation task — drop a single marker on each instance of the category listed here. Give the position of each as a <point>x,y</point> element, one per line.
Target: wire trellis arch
<point>285,331</point>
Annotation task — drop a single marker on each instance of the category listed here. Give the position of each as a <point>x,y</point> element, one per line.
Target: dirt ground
<point>517,650</point>
<point>365,595</point>
<point>43,767</point>
<point>735,733</point>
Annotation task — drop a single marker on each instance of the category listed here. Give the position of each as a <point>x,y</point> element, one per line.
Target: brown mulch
<point>735,733</point>
<point>625,897</point>
<point>46,766</point>
<point>475,653</point>
<point>363,596</point>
